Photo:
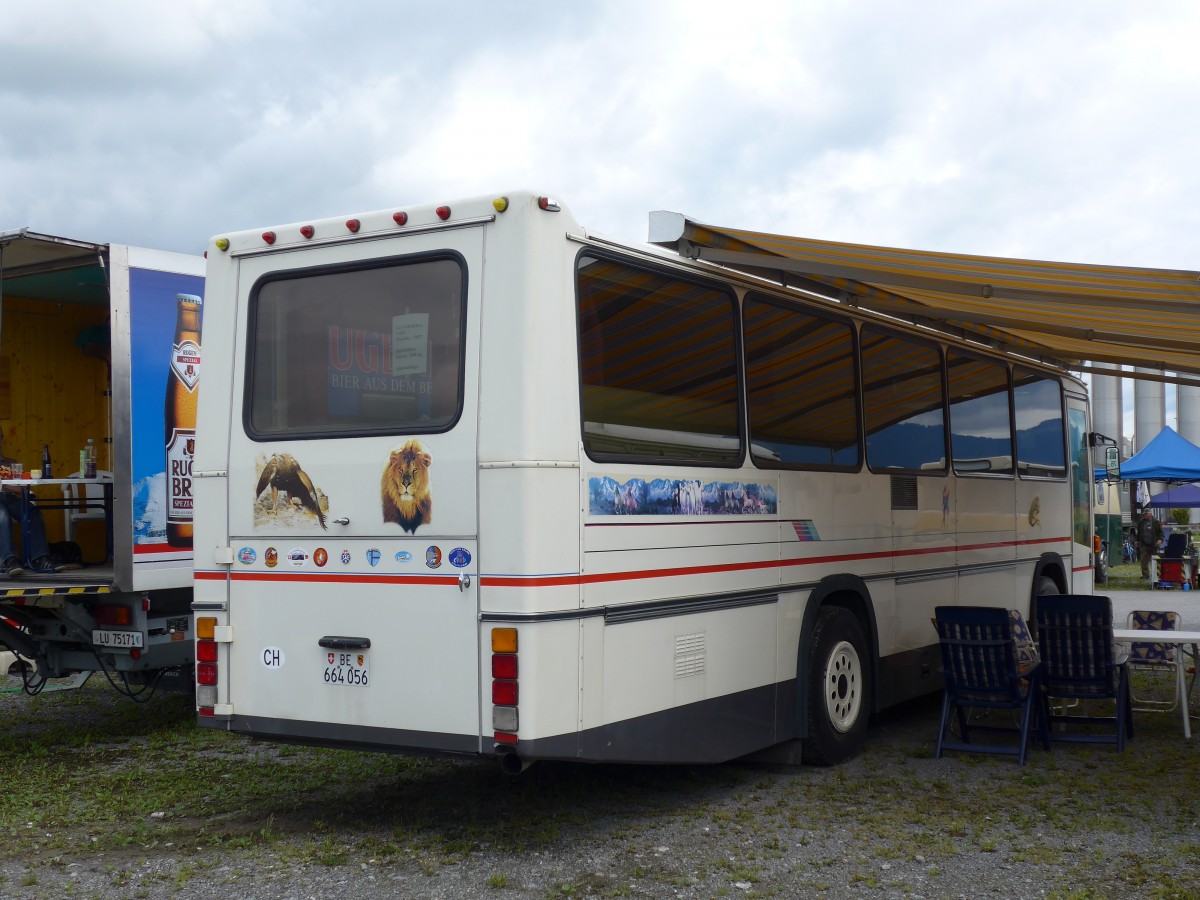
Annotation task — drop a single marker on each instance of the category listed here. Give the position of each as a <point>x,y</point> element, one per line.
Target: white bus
<point>490,485</point>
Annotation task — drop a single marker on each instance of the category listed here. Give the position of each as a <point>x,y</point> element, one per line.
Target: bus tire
<point>1102,565</point>
<point>839,688</point>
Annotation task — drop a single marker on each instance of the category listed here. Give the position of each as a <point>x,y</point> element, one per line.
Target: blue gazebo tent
<point>1182,496</point>
<point>1168,457</point>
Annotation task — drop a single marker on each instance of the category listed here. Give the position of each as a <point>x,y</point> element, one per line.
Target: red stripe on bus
<point>600,578</point>
<point>560,580</point>
<point>323,578</point>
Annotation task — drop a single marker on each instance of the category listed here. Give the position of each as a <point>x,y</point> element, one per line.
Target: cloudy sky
<point>1064,130</point>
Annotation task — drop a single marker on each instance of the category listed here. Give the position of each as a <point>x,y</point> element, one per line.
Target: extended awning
<point>1067,314</point>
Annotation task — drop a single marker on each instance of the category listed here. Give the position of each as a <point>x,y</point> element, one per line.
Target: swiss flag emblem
<point>331,659</point>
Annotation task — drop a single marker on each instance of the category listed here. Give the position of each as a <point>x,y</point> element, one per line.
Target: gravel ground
<point>1077,822</point>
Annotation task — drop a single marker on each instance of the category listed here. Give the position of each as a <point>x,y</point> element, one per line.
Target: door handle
<point>464,581</point>
<point>341,520</point>
<point>339,642</point>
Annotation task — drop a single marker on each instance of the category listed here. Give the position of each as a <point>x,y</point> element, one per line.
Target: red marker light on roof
<point>547,204</point>
<point>401,218</point>
<point>353,225</point>
<point>269,237</point>
<point>307,230</point>
<point>443,213</point>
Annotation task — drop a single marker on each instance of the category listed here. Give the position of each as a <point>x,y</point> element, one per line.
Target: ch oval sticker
<point>272,657</point>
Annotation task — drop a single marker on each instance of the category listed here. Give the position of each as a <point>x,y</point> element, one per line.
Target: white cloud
<point>1018,128</point>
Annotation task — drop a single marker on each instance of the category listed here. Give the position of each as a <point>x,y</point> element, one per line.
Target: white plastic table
<point>1179,639</point>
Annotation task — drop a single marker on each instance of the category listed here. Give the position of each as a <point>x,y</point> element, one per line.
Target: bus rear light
<point>443,213</point>
<point>205,710</point>
<point>206,673</point>
<point>504,718</point>
<point>135,654</point>
<point>504,640</point>
<point>113,615</point>
<point>549,205</point>
<point>353,225</point>
<point>206,628</point>
<point>500,204</point>
<point>504,693</point>
<point>221,244</point>
<point>502,738</point>
<point>307,230</point>
<point>269,237</point>
<point>504,665</point>
<point>400,218</point>
<point>206,651</point>
<point>206,696</point>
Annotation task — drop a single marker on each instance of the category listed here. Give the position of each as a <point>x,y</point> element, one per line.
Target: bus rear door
<point>352,493</point>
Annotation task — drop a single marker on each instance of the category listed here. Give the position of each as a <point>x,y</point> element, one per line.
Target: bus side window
<point>802,390</point>
<point>980,419</point>
<point>903,403</point>
<point>1041,432</point>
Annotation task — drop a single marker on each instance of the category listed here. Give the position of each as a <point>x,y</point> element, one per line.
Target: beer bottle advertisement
<point>166,311</point>
<point>179,418</point>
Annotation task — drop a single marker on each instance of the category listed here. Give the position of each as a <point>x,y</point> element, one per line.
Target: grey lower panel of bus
<point>709,731</point>
<point>356,737</point>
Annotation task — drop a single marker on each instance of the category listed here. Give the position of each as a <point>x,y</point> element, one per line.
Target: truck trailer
<point>99,349</point>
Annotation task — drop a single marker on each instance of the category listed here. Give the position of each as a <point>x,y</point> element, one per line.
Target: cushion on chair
<point>1153,620</point>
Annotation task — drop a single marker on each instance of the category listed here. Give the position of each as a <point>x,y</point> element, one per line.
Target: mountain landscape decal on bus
<point>679,497</point>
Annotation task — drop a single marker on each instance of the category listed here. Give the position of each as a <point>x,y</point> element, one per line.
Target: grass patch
<point>98,782</point>
<point>1125,577</point>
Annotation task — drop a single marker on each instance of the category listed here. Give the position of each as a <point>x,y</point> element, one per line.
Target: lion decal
<point>407,500</point>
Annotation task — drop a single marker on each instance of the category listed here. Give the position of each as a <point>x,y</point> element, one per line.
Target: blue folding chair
<point>1079,661</point>
<point>981,669</point>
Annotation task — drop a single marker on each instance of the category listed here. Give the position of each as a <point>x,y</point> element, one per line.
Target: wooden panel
<point>51,392</point>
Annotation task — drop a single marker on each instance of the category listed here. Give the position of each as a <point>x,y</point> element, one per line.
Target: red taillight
<point>504,665</point>
<point>401,218</point>
<point>548,204</point>
<point>113,615</point>
<point>353,225</point>
<point>269,237</point>
<point>206,651</point>
<point>206,673</point>
<point>307,230</point>
<point>443,213</point>
<point>504,693</point>
<point>505,716</point>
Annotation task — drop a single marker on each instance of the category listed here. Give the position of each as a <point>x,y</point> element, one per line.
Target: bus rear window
<point>356,350</point>
<point>659,366</point>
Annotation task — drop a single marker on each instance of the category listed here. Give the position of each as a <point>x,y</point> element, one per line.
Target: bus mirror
<point>1112,463</point>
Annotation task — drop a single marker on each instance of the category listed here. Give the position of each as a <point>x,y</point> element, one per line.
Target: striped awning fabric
<point>1070,314</point>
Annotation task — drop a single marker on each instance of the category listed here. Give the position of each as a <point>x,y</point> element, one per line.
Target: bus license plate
<point>349,669</point>
<point>117,638</point>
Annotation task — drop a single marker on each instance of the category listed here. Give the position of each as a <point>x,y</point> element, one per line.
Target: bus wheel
<point>838,688</point>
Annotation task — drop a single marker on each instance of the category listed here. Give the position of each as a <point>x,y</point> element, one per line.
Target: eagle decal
<point>282,474</point>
